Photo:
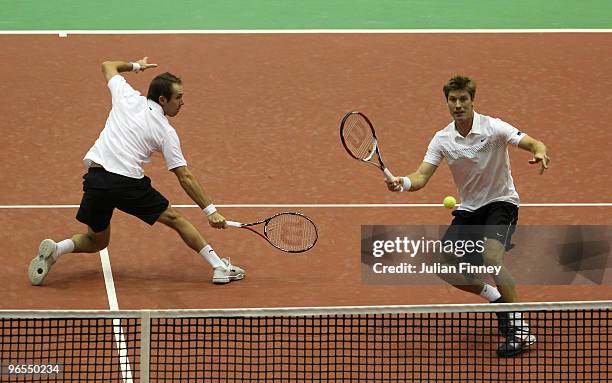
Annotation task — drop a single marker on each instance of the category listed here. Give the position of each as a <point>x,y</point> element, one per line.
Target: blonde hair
<point>460,83</point>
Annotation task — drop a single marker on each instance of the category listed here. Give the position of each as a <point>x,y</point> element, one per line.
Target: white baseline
<point>298,31</point>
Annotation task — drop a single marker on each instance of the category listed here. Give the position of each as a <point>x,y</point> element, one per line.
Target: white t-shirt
<point>135,128</point>
<point>479,162</point>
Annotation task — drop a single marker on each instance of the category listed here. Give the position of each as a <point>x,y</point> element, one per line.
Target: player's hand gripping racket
<point>359,140</point>
<point>290,232</point>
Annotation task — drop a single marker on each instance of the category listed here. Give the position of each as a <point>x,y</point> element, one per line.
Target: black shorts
<point>496,220</point>
<point>104,191</point>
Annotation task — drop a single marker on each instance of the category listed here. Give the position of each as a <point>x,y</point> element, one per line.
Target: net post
<point>145,345</point>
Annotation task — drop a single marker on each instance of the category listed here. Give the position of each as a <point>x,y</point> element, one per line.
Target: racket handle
<point>388,174</point>
<point>233,224</point>
<point>390,177</point>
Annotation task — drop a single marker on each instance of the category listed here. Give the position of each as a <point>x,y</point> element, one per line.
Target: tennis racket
<point>290,232</point>
<point>359,139</point>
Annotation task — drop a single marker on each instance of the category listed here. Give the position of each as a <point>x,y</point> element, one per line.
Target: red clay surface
<point>260,125</point>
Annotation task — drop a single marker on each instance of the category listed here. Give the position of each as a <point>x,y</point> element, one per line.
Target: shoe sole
<point>39,267</point>
<point>223,281</point>
<point>524,347</point>
<point>531,340</point>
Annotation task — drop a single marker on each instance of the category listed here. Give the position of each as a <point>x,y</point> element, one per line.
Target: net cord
<point>310,311</point>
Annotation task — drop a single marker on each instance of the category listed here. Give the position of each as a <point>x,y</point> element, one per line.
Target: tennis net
<point>438,343</point>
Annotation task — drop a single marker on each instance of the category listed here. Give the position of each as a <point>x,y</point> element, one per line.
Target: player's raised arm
<point>112,68</point>
<point>539,151</point>
<point>413,181</point>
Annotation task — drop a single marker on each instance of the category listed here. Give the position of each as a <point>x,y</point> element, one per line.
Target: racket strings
<point>291,232</point>
<point>358,137</point>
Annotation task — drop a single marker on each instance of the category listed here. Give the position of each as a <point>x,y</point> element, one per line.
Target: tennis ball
<point>449,202</point>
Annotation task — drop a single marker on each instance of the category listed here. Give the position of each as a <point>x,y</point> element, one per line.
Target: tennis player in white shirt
<point>475,147</point>
<point>136,127</point>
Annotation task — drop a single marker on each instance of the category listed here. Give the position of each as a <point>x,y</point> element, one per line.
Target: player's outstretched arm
<point>415,181</point>
<point>192,187</point>
<point>539,151</point>
<point>112,68</point>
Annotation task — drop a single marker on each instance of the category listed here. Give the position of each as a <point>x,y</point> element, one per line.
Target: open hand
<point>541,158</point>
<point>144,64</point>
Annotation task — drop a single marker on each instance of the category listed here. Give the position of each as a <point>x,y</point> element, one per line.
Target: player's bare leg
<point>223,270</point>
<point>518,336</point>
<point>91,242</point>
<point>49,251</point>
<point>466,282</point>
<point>493,256</point>
<point>190,235</point>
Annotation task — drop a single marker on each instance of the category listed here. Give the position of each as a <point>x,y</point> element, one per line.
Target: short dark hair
<point>161,85</point>
<point>460,83</point>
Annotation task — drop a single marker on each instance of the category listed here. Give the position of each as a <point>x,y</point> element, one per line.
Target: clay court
<point>260,127</point>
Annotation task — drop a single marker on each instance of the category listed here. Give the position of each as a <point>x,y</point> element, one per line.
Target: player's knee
<point>171,217</point>
<point>493,253</point>
<point>103,243</point>
<point>445,258</point>
<point>491,260</point>
<point>99,242</point>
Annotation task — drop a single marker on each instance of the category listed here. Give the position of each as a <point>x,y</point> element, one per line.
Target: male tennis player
<point>476,149</point>
<point>136,127</point>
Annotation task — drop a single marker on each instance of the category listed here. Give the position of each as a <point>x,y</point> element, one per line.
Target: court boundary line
<point>330,205</point>
<point>109,282</point>
<point>124,362</point>
<point>300,31</point>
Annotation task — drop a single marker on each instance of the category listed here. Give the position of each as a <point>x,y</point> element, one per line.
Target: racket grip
<point>233,224</point>
<point>391,177</point>
<point>388,174</point>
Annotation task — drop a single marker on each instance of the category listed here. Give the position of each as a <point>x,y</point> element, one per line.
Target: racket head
<point>358,135</point>
<point>359,138</point>
<point>291,232</point>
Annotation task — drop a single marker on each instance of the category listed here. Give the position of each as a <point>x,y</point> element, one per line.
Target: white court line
<point>124,362</point>
<point>367,205</point>
<point>298,31</point>
<point>113,304</point>
<point>331,205</point>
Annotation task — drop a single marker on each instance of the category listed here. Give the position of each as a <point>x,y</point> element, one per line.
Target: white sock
<point>211,257</point>
<point>64,247</point>
<point>490,293</point>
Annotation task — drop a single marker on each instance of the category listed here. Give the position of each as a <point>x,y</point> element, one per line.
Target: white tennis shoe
<point>519,339</point>
<point>41,264</point>
<point>228,273</point>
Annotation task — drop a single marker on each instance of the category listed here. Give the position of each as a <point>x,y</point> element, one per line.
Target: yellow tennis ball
<point>449,202</point>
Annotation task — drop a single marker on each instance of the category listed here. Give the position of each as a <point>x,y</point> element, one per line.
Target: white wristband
<point>406,183</point>
<point>208,210</point>
<point>135,67</point>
